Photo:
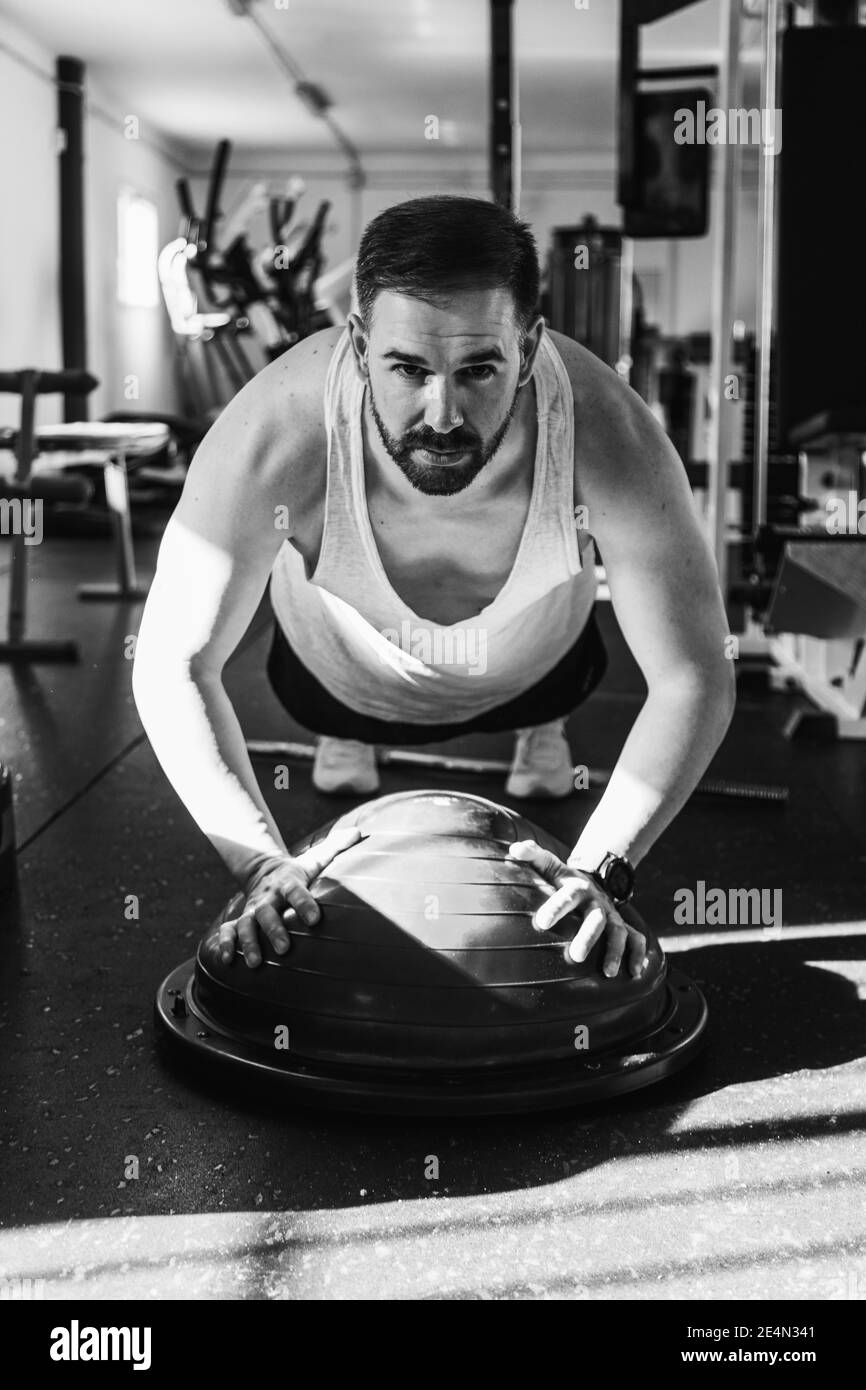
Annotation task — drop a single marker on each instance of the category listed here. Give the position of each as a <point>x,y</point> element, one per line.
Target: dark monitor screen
<point>670,182</point>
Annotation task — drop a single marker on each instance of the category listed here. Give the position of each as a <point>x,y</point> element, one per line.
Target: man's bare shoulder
<point>279,415</point>
<point>269,444</point>
<point>618,442</point>
<point>287,396</point>
<point>303,369</point>
<point>603,403</point>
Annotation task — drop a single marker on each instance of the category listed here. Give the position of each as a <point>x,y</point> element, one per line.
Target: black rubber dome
<point>424,985</point>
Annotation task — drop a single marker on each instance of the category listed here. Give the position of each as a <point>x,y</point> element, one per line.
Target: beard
<point>441,479</point>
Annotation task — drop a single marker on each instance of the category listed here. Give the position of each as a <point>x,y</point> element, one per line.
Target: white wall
<point>121,341</point>
<point>125,342</point>
<point>29,310</point>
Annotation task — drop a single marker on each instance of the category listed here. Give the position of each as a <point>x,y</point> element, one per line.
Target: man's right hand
<point>278,888</point>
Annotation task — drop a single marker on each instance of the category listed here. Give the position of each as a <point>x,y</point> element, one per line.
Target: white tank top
<point>365,645</point>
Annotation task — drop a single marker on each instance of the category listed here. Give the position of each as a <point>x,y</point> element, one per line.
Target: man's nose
<point>442,412</point>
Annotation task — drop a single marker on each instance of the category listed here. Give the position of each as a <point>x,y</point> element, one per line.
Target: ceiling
<point>194,71</point>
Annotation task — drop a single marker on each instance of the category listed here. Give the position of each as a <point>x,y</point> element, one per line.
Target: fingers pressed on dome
<point>615,939</point>
<point>549,865</point>
<point>302,900</point>
<point>637,952</point>
<point>557,906</point>
<point>249,939</point>
<point>271,924</point>
<point>227,940</point>
<point>591,929</point>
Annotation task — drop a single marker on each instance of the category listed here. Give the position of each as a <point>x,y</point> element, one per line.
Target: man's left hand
<point>577,892</point>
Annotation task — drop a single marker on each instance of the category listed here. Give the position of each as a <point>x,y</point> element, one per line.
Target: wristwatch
<point>615,876</point>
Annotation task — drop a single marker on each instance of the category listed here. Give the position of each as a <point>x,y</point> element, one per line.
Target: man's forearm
<point>665,755</point>
<point>199,743</point>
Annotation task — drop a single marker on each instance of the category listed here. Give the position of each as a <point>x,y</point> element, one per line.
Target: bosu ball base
<point>424,988</point>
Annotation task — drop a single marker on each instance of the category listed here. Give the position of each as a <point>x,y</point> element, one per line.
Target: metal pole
<point>516,141</point>
<point>73,297</point>
<point>766,262</point>
<point>624,358</point>
<point>502,104</point>
<point>302,86</point>
<point>721,422</point>
<point>307,92</point>
<point>485,767</point>
<point>117,493</point>
<point>23,470</point>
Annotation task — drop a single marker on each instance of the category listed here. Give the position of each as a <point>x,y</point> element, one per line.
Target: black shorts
<point>553,697</point>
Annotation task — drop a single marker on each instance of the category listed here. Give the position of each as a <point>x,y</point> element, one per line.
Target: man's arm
<point>214,562</point>
<point>666,597</point>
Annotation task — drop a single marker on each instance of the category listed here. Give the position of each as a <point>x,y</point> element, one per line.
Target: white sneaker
<point>542,764</point>
<point>343,765</point>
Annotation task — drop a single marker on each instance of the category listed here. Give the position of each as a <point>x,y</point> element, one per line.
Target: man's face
<point>443,382</point>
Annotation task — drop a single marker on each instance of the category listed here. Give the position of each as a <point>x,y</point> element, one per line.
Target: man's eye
<point>412,373</point>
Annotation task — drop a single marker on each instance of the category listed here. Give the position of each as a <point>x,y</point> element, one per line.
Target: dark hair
<point>431,247</point>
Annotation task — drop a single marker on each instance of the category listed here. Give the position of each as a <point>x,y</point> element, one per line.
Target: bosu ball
<point>424,986</point>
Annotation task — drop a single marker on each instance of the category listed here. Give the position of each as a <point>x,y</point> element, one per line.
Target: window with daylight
<point>137,250</point>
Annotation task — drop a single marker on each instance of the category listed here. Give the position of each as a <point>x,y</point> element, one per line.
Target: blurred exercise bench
<point>817,621</point>
<point>111,446</point>
<point>114,447</point>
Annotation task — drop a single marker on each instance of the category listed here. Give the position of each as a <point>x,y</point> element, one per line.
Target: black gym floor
<point>742,1177</point>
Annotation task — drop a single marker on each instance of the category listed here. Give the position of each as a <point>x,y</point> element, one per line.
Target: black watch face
<point>618,881</point>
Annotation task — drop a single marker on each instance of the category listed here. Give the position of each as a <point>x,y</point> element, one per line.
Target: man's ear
<point>360,344</point>
<point>529,350</point>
